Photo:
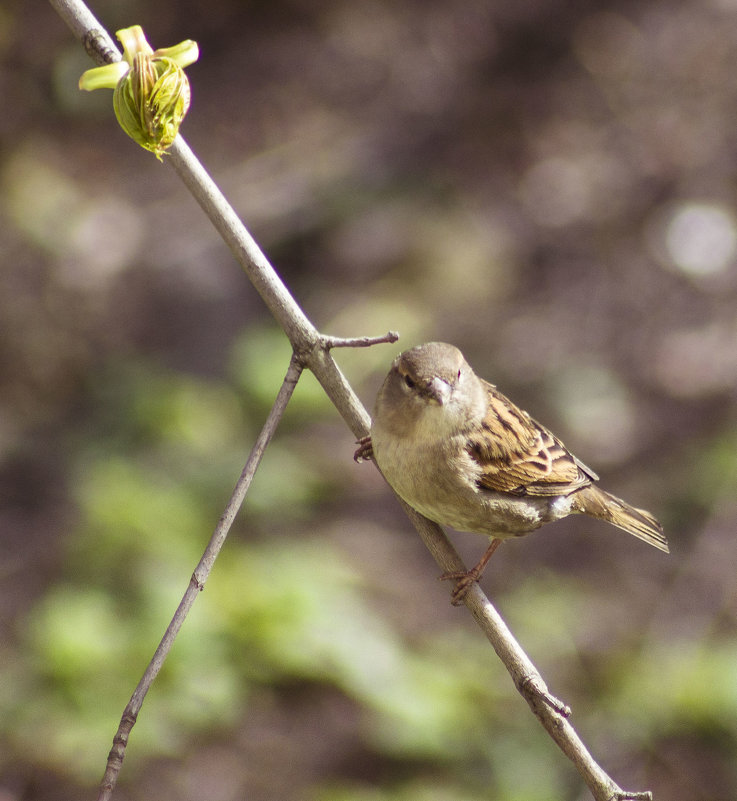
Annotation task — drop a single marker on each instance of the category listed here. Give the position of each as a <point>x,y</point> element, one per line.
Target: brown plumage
<point>518,455</point>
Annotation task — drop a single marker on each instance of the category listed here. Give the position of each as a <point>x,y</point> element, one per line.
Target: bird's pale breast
<point>438,479</point>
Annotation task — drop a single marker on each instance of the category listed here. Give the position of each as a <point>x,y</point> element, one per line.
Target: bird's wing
<point>518,455</point>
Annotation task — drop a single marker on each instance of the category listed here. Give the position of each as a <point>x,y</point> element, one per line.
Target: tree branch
<point>197,582</point>
<point>312,350</point>
<point>359,342</point>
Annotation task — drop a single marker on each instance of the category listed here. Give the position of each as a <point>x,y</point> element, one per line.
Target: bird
<point>462,454</point>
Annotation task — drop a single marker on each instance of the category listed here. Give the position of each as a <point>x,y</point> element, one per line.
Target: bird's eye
<point>409,382</point>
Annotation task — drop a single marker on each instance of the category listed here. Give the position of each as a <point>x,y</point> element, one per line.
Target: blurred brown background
<point>550,186</point>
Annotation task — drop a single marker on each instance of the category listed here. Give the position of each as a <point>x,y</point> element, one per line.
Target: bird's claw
<point>365,450</point>
<point>464,580</point>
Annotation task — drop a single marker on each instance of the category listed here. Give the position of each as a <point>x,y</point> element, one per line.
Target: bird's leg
<point>365,449</point>
<point>465,578</point>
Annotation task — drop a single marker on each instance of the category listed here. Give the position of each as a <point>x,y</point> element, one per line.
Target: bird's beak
<point>439,390</point>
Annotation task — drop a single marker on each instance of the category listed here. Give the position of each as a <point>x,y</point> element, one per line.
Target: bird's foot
<point>464,579</point>
<point>365,450</point>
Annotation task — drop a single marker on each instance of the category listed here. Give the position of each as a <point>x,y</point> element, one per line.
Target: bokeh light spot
<point>700,238</point>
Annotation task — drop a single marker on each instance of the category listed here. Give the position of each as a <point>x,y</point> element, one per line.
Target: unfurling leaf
<point>152,92</point>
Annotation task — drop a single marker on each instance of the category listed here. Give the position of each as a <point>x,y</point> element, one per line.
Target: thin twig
<point>197,582</point>
<point>359,342</point>
<point>307,342</point>
<point>312,351</point>
<point>96,40</point>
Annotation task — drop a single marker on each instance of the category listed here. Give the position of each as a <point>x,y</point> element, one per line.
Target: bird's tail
<point>597,503</point>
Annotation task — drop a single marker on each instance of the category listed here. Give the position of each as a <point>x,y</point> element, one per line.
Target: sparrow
<point>463,455</point>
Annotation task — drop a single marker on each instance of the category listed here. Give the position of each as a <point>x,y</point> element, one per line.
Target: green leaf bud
<point>151,91</point>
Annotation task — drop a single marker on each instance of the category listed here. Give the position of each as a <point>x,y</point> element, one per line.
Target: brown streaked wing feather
<point>519,456</point>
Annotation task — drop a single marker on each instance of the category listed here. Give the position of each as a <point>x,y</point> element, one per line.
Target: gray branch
<point>197,582</point>
<point>312,350</point>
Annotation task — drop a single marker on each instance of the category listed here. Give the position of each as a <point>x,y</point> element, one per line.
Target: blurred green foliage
<point>548,185</point>
<point>277,610</point>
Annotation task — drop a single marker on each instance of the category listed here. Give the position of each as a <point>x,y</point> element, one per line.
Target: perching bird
<point>464,455</point>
